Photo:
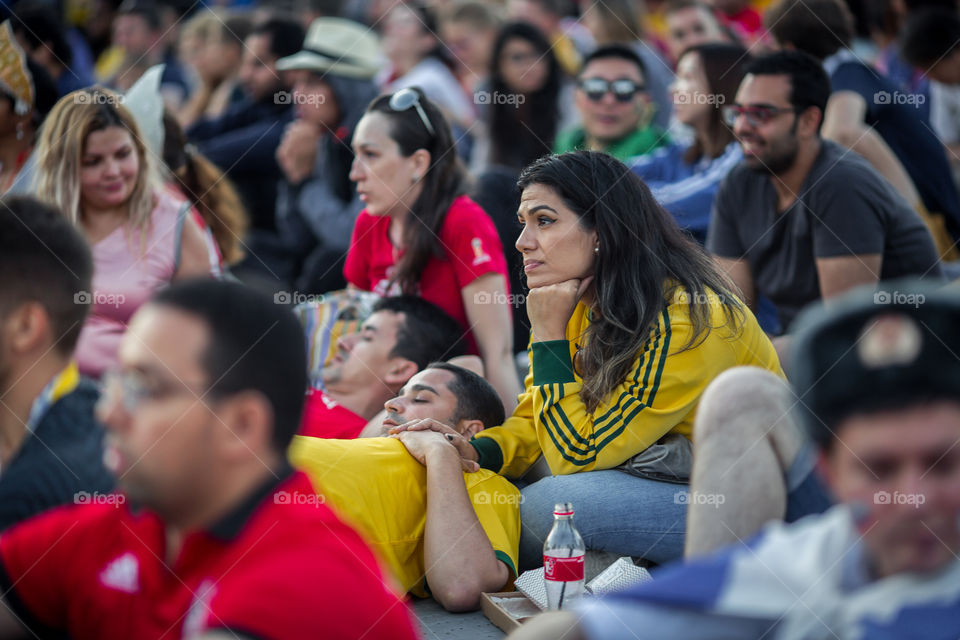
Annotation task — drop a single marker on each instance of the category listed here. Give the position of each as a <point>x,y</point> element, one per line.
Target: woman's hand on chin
<point>549,307</point>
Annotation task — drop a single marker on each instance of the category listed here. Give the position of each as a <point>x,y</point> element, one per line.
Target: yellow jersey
<point>379,488</point>
<point>659,396</point>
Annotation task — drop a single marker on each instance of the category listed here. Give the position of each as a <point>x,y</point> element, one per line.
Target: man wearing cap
<point>878,385</point>
<point>317,203</point>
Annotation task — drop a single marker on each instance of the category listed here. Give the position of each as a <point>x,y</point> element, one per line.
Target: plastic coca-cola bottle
<point>563,554</point>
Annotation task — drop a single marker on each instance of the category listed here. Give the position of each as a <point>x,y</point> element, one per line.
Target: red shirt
<point>747,22</point>
<point>323,417</point>
<point>282,565</point>
<point>471,249</point>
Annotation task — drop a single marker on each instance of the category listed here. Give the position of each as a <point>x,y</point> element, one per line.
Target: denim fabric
<point>614,512</point>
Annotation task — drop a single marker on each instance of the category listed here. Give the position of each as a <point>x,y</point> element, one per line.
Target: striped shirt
<point>686,190</point>
<point>659,396</point>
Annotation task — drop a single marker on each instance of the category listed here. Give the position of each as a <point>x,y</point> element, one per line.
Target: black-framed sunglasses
<point>406,98</point>
<point>756,115</point>
<point>623,90</point>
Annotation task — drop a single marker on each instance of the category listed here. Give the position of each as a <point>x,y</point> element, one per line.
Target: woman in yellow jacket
<point>630,322</point>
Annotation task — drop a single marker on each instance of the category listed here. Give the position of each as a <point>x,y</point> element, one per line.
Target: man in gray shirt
<point>801,218</point>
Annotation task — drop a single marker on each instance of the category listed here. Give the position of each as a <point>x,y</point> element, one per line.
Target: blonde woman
<point>93,165</point>
<point>212,45</point>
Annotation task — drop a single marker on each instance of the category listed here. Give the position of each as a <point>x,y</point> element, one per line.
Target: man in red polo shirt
<point>213,535</point>
<point>401,336</point>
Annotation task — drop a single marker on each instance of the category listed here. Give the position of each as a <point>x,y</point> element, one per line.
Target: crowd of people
<point>685,264</point>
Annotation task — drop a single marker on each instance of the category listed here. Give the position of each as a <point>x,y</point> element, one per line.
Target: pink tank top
<point>124,277</point>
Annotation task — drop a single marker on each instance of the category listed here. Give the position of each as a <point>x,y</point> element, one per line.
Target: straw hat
<point>337,46</point>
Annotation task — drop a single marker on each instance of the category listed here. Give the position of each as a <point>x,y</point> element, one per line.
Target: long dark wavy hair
<point>519,134</point>
<point>643,259</point>
<point>444,181</point>
<point>724,66</point>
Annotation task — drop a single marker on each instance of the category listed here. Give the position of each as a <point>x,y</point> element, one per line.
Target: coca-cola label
<point>563,569</point>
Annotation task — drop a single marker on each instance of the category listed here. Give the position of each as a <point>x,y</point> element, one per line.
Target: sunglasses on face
<point>623,90</point>
<point>756,116</point>
<point>406,98</point>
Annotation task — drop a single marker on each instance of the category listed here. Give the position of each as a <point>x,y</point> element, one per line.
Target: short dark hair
<point>476,398</point>
<point>618,51</point>
<point>146,10</point>
<point>929,35</point>
<point>254,345</point>
<point>818,27</point>
<point>40,25</point>
<point>43,258</point>
<point>286,35</point>
<point>809,84</point>
<point>428,332</point>
<point>556,7</point>
<point>672,6</point>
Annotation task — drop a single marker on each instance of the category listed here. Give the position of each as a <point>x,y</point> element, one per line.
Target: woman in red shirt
<point>419,233</point>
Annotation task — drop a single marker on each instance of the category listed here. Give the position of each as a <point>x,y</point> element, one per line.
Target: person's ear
<point>420,161</point>
<point>399,370</point>
<point>809,121</point>
<point>469,428</point>
<point>27,327</point>
<point>244,423</point>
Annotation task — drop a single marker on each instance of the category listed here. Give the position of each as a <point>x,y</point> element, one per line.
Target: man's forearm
<point>459,560</point>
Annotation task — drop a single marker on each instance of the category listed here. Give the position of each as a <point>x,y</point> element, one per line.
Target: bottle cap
<point>563,509</point>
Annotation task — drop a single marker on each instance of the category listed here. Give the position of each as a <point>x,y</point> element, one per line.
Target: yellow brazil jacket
<point>659,395</point>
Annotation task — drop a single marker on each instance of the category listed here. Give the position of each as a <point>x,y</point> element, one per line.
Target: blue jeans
<point>614,511</point>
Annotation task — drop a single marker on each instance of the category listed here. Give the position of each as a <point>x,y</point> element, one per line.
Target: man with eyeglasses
<point>214,534</point>
<point>801,218</point>
<point>616,111</point>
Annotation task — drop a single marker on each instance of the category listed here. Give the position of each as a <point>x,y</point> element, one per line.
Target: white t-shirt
<point>440,85</point>
<point>945,112</point>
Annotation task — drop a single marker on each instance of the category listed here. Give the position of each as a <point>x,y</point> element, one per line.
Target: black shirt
<point>844,208</point>
<point>61,458</point>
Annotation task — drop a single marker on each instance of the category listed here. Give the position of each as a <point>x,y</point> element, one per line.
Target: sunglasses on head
<point>406,98</point>
<point>623,90</point>
<point>756,116</point>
